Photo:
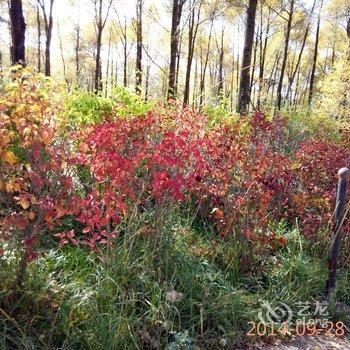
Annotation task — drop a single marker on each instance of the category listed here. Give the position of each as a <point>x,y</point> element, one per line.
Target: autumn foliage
<point>80,185</point>
<point>32,178</point>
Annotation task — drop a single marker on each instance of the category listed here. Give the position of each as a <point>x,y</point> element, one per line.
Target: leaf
<point>31,256</point>
<point>144,231</point>
<point>70,234</point>
<point>37,180</point>
<point>60,211</point>
<point>249,234</point>
<point>15,68</point>
<point>9,187</point>
<point>217,213</point>
<point>10,157</point>
<point>24,203</point>
<point>282,241</point>
<point>5,139</point>
<point>26,130</point>
<point>62,242</point>
<point>31,216</point>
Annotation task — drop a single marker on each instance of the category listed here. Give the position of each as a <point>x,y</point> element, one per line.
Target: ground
<point>306,343</point>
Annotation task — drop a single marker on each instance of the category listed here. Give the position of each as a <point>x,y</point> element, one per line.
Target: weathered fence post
<point>343,173</point>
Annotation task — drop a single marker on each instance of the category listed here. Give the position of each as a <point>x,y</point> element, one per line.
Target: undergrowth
<point>127,224</point>
<point>183,289</point>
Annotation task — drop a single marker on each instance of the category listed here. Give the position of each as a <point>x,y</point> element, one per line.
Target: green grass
<point>117,299</point>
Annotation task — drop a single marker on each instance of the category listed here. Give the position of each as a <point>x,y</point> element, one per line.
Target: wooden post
<point>343,173</point>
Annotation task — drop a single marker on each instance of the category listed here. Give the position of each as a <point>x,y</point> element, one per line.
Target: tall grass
<point>176,290</point>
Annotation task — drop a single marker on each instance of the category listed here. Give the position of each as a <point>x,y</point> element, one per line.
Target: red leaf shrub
<point>316,166</point>
<point>241,176</point>
<point>135,160</point>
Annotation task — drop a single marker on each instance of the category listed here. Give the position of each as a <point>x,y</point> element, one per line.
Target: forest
<point>174,174</point>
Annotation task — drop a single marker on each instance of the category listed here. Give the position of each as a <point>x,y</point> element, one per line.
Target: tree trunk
<point>189,58</point>
<point>252,83</point>
<point>48,31</point>
<point>62,55</point>
<point>192,34</point>
<point>204,68</point>
<point>285,54</point>
<point>244,85</point>
<point>111,74</point>
<point>262,52</point>
<point>125,51</point>
<point>48,21</point>
<point>178,65</point>
<point>237,71</point>
<point>107,84</point>
<point>273,77</point>
<point>98,68</point>
<point>99,29</point>
<point>194,94</point>
<point>174,45</point>
<point>138,77</point>
<point>100,21</point>
<point>38,21</point>
<point>47,52</point>
<point>77,47</point>
<point>296,92</point>
<point>348,34</point>
<point>313,70</point>
<point>125,67</point>
<point>296,68</point>
<point>18,28</point>
<point>232,79</point>
<point>116,72</point>
<point>221,67</point>
<point>147,82</point>
<point>291,80</point>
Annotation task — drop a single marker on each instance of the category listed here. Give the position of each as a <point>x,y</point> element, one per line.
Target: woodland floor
<point>320,342</point>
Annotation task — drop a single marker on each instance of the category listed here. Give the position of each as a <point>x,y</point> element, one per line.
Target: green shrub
<point>219,113</point>
<point>83,107</point>
<point>305,124</point>
<point>128,103</point>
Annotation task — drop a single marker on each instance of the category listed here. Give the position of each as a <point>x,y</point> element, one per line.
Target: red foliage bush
<point>134,160</point>
<point>264,179</point>
<point>241,176</point>
<point>316,166</point>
